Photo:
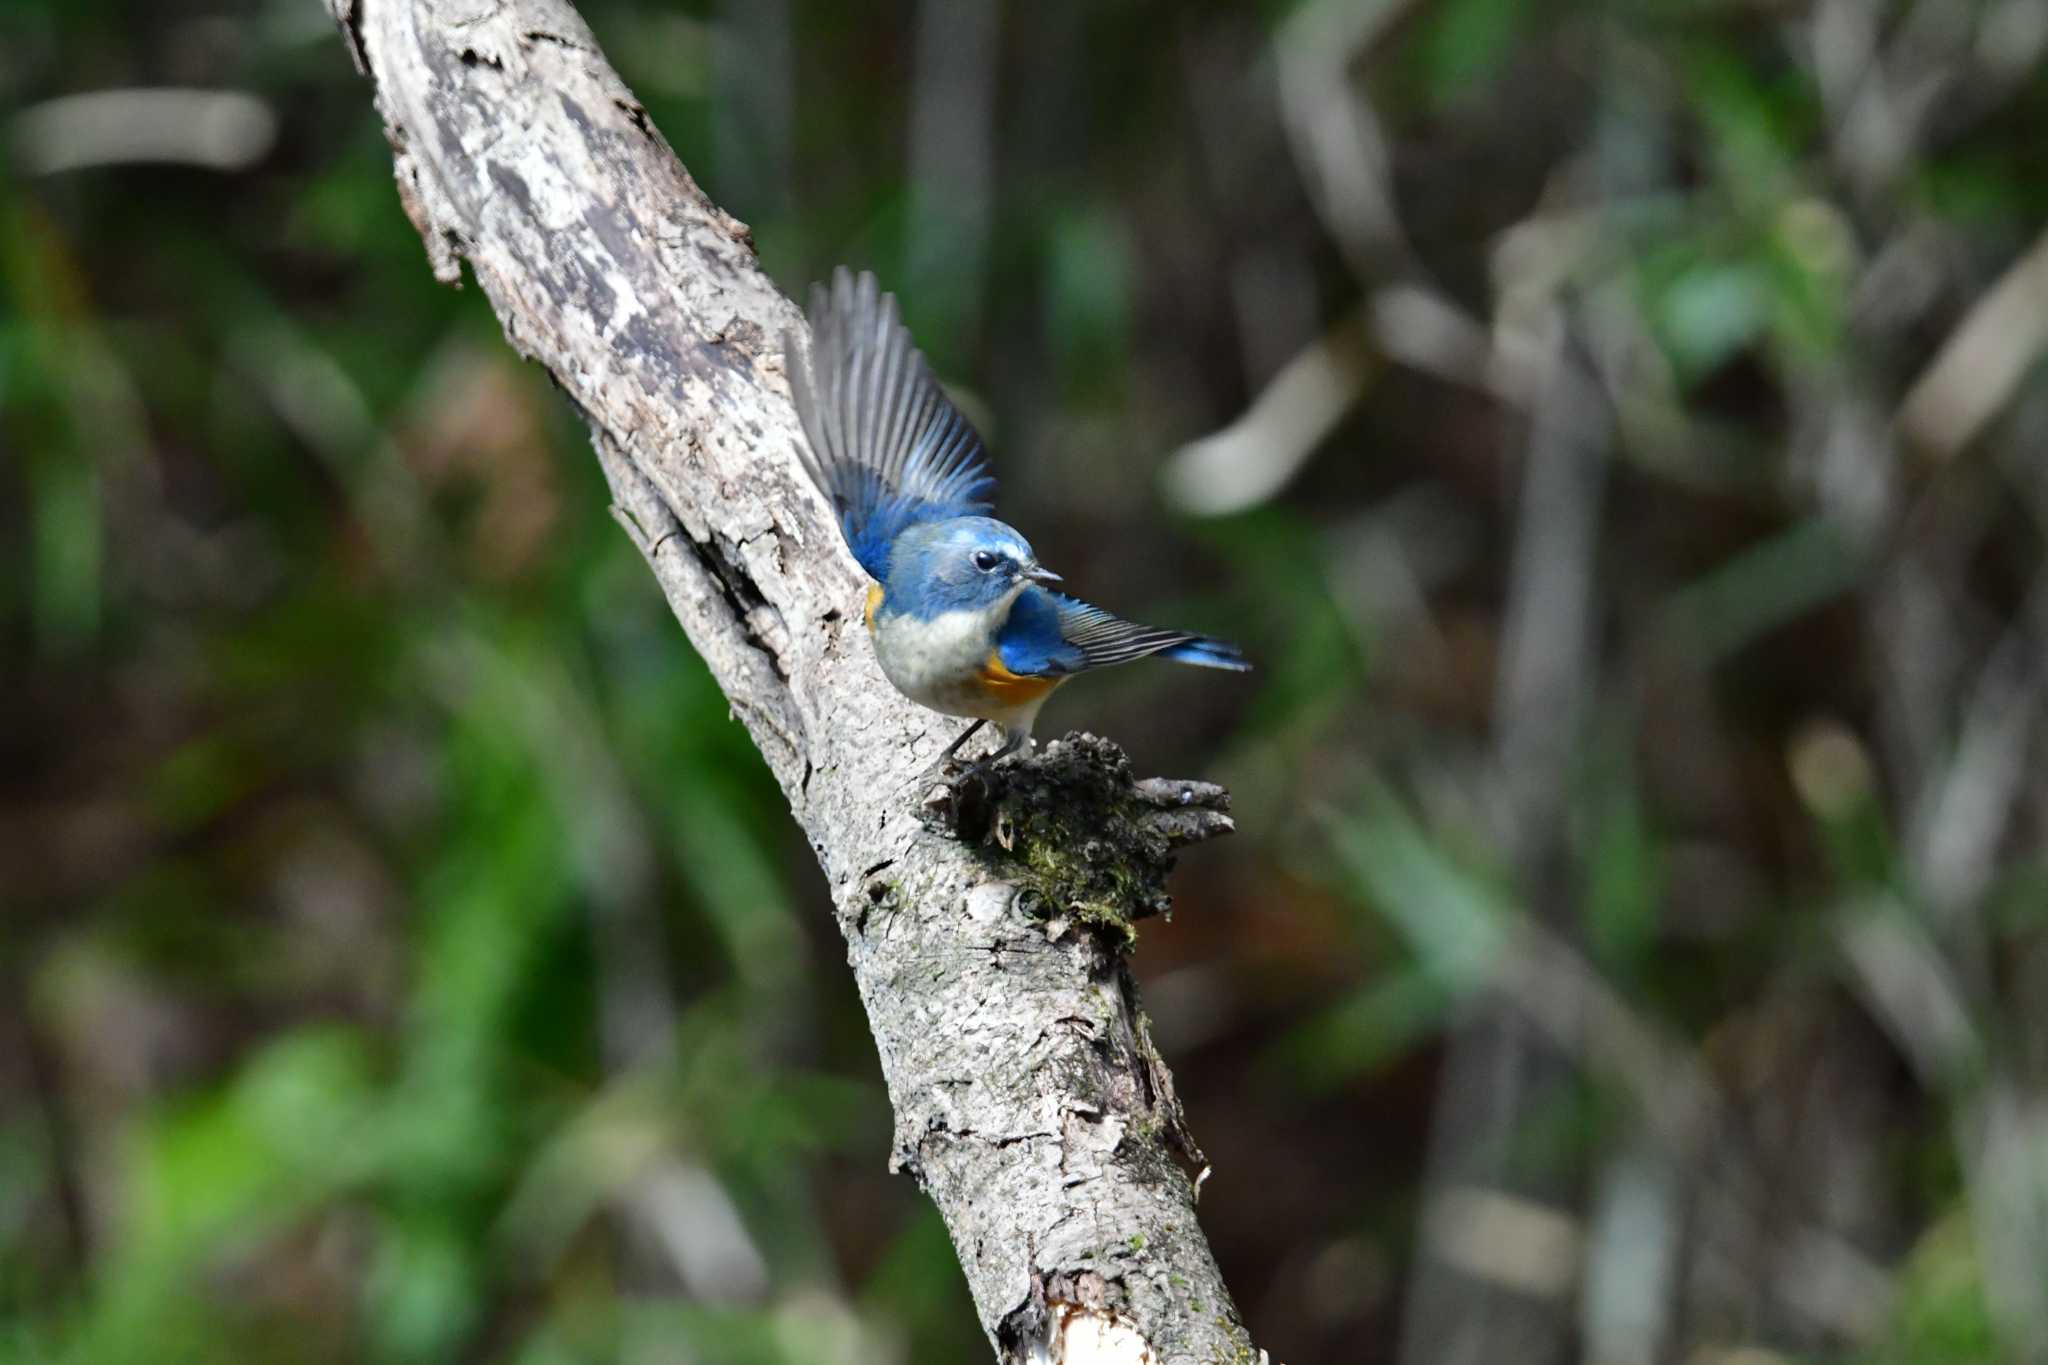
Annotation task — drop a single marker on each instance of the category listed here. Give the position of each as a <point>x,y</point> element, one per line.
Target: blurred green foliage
<point>407,958</point>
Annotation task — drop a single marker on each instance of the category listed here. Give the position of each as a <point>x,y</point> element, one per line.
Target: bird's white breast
<point>938,662</point>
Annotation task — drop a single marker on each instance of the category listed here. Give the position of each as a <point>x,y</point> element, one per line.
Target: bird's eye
<point>986,560</point>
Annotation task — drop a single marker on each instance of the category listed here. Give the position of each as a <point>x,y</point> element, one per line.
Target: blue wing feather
<point>1105,639</point>
<point>1050,634</point>
<point>883,442</point>
<point>1031,643</point>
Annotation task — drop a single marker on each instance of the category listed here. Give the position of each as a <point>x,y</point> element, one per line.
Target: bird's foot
<point>966,790</point>
<point>959,769</point>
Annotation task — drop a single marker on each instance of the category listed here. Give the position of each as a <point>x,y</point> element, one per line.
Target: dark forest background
<point>1617,431</point>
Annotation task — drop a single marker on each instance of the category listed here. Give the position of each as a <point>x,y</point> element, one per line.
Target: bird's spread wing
<point>886,446</point>
<point>1051,634</point>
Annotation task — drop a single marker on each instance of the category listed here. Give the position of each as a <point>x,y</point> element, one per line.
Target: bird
<point>964,618</point>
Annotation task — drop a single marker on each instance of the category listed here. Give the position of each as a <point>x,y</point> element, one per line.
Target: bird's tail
<point>1206,652</point>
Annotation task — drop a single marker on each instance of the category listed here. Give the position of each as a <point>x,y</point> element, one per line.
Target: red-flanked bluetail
<point>963,615</point>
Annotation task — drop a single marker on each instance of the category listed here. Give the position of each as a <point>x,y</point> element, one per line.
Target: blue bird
<point>963,618</point>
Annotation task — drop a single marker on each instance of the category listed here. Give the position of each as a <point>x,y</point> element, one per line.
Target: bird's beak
<point>1038,573</point>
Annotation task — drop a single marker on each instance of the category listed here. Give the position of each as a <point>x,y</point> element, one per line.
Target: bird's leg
<point>1013,740</point>
<point>964,799</point>
<point>965,735</point>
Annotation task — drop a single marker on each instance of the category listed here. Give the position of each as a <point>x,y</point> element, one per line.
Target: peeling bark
<point>987,931</point>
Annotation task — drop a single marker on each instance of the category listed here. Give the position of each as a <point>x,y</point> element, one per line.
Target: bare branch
<point>1030,1102</point>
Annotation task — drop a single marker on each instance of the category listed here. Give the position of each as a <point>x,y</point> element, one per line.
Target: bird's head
<point>963,564</point>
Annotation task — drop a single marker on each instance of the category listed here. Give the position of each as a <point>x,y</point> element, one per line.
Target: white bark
<point>1029,1100</point>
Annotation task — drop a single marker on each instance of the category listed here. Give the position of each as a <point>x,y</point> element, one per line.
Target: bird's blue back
<point>1033,643</point>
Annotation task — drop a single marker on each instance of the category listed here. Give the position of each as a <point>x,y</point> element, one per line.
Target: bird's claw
<point>957,773</point>
<point>965,792</point>
<point>958,800</point>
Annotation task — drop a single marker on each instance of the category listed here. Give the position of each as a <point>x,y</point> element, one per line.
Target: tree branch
<point>987,937</point>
